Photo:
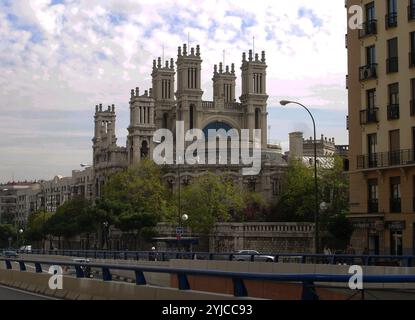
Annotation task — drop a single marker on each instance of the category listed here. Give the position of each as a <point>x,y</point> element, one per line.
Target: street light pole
<point>316,210</point>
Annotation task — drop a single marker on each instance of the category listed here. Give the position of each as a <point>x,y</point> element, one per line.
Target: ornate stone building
<point>180,98</point>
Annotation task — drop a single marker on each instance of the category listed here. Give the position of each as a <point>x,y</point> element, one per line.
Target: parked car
<point>246,255</point>
<point>10,254</point>
<point>26,249</point>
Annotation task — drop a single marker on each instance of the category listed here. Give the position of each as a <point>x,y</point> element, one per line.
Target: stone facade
<point>176,95</point>
<point>263,237</point>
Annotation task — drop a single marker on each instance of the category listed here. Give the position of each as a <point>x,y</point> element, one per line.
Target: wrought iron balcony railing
<point>393,112</point>
<point>369,27</point>
<point>368,72</point>
<point>392,65</point>
<point>391,20</point>
<point>369,116</point>
<point>386,159</point>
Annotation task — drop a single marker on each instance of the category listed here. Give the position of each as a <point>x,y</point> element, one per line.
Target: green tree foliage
<point>67,221</point>
<point>136,199</point>
<point>211,199</point>
<point>296,203</point>
<point>36,225</point>
<point>7,231</point>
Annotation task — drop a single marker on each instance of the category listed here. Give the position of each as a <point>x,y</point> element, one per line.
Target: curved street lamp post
<point>316,210</point>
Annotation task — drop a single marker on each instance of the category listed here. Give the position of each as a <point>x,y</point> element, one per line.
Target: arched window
<point>216,126</point>
<point>144,150</point>
<point>257,118</point>
<point>165,120</point>
<point>191,117</point>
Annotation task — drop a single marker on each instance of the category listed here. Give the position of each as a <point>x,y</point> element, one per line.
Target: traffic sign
<point>179,231</point>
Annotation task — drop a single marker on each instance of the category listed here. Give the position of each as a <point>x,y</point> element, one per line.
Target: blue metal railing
<point>366,260</point>
<point>239,289</point>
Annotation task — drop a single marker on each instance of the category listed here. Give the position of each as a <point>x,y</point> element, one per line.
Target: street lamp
<point>316,210</point>
<point>19,232</point>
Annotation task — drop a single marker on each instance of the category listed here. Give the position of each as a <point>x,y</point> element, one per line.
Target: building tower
<point>254,93</point>
<point>163,94</point>
<point>224,82</point>
<point>189,93</point>
<point>104,136</point>
<point>142,126</point>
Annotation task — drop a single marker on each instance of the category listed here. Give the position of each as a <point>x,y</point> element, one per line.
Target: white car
<point>26,249</point>
<point>246,255</point>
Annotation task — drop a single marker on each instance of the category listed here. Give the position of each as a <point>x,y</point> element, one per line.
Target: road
<point>15,294</point>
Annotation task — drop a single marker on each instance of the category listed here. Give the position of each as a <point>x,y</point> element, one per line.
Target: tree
<point>7,231</point>
<point>136,199</point>
<point>36,225</point>
<point>66,222</point>
<point>255,208</point>
<point>297,200</point>
<point>210,199</point>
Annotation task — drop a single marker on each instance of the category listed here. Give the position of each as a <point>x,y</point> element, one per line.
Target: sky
<point>60,58</point>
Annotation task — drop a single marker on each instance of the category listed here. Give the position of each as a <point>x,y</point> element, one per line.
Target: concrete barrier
<point>90,289</point>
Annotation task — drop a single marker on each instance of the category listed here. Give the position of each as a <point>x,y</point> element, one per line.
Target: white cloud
<point>73,55</point>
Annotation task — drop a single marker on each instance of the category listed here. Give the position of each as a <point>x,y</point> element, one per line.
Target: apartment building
<point>381,84</point>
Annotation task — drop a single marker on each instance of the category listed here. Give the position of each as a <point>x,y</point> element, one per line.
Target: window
<point>396,243</point>
<point>393,107</point>
<point>370,12</point>
<point>411,12</point>
<point>275,187</point>
<point>257,118</point>
<point>165,120</point>
<point>392,15</point>
<point>370,55</point>
<point>371,98</point>
<point>392,63</point>
<point>395,194</point>
<point>191,117</point>
<point>394,147</point>
<point>257,81</point>
<point>373,196</point>
<point>372,141</point>
<point>412,50</point>
<point>412,101</point>
<point>192,78</point>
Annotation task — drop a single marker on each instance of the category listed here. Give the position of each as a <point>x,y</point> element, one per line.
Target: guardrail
<point>239,289</point>
<point>365,260</point>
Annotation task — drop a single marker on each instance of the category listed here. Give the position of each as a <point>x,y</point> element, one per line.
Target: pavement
<point>7,293</point>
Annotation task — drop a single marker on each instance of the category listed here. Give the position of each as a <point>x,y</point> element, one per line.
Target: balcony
<point>411,12</point>
<point>393,112</point>
<point>392,65</point>
<point>368,72</point>
<point>368,28</point>
<point>369,116</point>
<point>386,159</point>
<point>391,20</point>
<point>411,59</point>
<point>395,205</point>
<point>373,206</point>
